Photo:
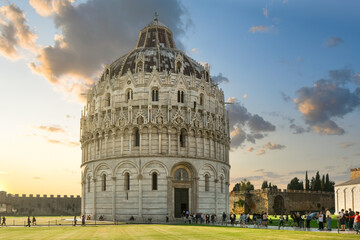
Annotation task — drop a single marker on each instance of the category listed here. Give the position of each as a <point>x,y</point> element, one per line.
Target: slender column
<point>215,152</point>
<point>196,147</point>
<point>169,142</point>
<point>210,140</point>
<point>113,143</point>
<point>100,147</point>
<point>106,143</point>
<point>140,177</point>
<point>94,195</point>
<point>178,143</point>
<point>216,207</point>
<point>160,141</point>
<point>114,198</point>
<point>140,142</point>
<point>203,137</point>
<point>130,141</point>
<point>83,186</point>
<point>170,200</point>
<point>150,143</point>
<point>187,143</point>
<point>122,144</point>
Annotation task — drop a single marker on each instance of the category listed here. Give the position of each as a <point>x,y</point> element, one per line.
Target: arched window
<point>180,96</point>
<point>207,178</point>
<point>139,66</point>
<point>108,100</point>
<point>137,138</point>
<point>103,182</point>
<point>201,99</point>
<point>181,175</point>
<point>129,95</point>
<point>127,181</point>
<point>88,184</point>
<point>182,138</point>
<point>154,181</point>
<point>155,95</point>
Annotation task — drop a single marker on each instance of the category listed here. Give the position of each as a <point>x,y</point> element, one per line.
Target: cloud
<point>274,146</point>
<point>347,144</point>
<point>97,32</point>
<point>219,79</point>
<point>285,97</point>
<point>327,100</point>
<point>194,50</point>
<point>15,34</point>
<point>250,149</point>
<point>265,11</point>
<point>333,42</point>
<point>63,142</point>
<point>52,129</point>
<point>259,28</point>
<point>261,152</point>
<point>297,129</point>
<point>244,125</point>
<point>36,178</point>
<point>244,96</point>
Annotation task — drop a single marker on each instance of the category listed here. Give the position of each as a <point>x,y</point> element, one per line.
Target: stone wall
<point>280,201</point>
<point>14,204</point>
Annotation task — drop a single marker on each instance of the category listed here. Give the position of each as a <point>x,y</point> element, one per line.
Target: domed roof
<point>155,49</point>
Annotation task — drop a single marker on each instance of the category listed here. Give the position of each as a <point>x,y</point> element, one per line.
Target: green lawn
<point>160,232</point>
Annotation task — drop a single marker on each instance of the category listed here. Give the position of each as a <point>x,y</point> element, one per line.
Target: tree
<point>264,184</point>
<point>244,185</point>
<point>307,182</point>
<point>323,183</point>
<point>317,182</point>
<point>295,184</point>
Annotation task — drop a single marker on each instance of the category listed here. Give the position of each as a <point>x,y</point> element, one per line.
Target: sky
<point>290,68</point>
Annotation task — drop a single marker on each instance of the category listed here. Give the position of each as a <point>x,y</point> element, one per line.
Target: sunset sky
<point>291,68</point>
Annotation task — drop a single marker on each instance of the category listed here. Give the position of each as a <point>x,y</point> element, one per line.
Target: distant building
<point>280,201</point>
<point>154,135</point>
<point>23,205</point>
<point>347,194</point>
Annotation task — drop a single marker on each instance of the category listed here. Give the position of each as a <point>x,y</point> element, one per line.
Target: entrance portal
<point>181,201</point>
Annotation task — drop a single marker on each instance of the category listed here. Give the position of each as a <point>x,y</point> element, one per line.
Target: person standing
<point>328,219</point>
<point>83,220</point>
<point>356,222</point>
<point>321,221</point>
<point>308,220</point>
<point>342,219</point>
<point>28,221</point>
<point>34,220</point>
<point>351,219</point>
<point>75,220</point>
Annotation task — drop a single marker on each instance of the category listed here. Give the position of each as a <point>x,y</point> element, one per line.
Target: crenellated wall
<point>23,205</point>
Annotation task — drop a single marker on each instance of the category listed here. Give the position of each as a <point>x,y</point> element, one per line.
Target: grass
<point>154,231</point>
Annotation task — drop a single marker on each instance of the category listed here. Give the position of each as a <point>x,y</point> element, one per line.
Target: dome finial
<point>156,16</point>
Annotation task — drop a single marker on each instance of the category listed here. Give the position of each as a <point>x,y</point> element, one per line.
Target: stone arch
<point>123,163</point>
<point>279,205</point>
<point>98,169</point>
<point>204,166</point>
<point>187,166</point>
<point>155,162</point>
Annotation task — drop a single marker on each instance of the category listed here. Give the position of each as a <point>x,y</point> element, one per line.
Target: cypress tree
<point>307,182</point>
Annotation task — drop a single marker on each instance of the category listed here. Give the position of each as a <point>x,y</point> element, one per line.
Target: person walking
<point>28,221</point>
<point>3,221</point>
<point>34,221</point>
<point>328,219</point>
<point>281,221</point>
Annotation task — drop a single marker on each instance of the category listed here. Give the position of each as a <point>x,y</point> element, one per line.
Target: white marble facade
<point>154,136</point>
<point>347,194</point>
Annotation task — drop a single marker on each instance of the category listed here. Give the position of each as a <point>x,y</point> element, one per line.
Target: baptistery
<point>154,136</point>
